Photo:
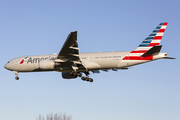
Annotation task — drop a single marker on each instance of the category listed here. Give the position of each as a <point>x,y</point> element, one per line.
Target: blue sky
<point>145,92</point>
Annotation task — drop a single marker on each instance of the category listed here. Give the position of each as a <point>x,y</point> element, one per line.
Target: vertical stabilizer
<point>152,40</point>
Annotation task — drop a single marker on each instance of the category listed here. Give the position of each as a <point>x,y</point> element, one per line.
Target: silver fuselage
<point>92,62</point>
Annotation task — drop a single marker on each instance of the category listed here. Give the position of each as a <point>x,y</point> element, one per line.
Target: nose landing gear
<point>16,73</point>
<point>17,78</point>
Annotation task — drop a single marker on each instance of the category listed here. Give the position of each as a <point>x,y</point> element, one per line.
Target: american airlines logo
<point>36,60</point>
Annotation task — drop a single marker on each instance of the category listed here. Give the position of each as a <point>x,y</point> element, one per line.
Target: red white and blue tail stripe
<point>152,40</point>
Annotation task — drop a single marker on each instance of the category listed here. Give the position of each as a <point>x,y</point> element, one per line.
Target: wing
<point>70,47</point>
<point>69,54</point>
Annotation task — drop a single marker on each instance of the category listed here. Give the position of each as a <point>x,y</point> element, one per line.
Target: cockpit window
<point>8,61</point>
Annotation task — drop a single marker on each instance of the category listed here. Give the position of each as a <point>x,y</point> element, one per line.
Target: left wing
<point>69,54</point>
<point>70,47</point>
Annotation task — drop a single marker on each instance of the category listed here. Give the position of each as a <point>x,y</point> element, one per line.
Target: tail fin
<point>149,46</point>
<point>153,39</point>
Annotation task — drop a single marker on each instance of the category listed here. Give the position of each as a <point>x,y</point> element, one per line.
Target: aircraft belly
<point>135,62</point>
<point>126,63</point>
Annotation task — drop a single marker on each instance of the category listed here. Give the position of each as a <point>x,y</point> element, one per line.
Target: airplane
<point>72,63</point>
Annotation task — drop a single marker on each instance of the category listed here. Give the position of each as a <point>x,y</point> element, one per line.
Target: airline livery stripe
<point>149,38</point>
<point>165,23</point>
<point>152,35</point>
<point>137,58</point>
<point>159,34</point>
<point>147,41</point>
<point>143,45</point>
<point>156,41</point>
<point>155,30</point>
<point>163,27</point>
<point>136,54</point>
<point>153,44</point>
<point>139,51</point>
<point>158,27</point>
<point>161,30</point>
<point>143,48</point>
<point>157,37</point>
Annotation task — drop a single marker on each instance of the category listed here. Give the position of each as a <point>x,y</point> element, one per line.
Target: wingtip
<point>74,32</point>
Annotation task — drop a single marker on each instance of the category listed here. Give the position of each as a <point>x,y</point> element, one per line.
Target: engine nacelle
<point>67,75</point>
<point>47,64</point>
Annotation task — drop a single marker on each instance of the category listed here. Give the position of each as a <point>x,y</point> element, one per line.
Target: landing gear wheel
<point>87,79</point>
<point>74,73</point>
<point>17,78</point>
<point>90,80</point>
<point>83,78</point>
<point>79,74</point>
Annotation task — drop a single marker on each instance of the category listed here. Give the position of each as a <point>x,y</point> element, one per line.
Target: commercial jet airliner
<point>72,63</point>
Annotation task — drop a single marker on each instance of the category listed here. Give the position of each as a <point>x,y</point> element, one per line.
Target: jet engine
<point>67,75</point>
<point>47,64</point>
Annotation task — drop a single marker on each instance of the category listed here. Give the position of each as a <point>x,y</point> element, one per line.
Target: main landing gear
<point>16,73</point>
<point>76,74</point>
<point>83,78</point>
<point>87,77</point>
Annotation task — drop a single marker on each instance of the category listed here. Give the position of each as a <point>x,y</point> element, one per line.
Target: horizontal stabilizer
<point>154,50</point>
<point>169,58</point>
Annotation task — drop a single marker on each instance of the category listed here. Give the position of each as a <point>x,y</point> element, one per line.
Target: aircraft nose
<point>7,66</point>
